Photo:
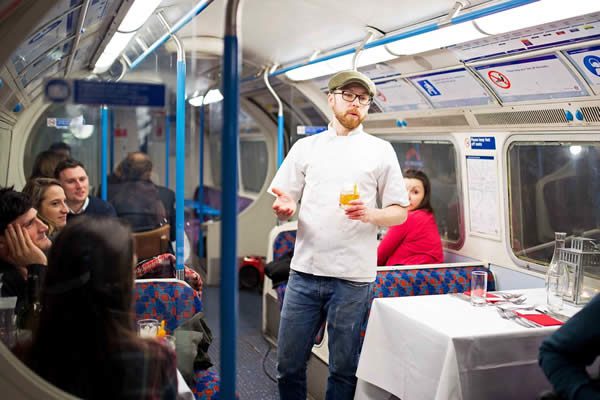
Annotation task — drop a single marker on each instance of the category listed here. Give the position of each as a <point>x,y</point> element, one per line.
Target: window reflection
<point>553,187</point>
<point>438,161</point>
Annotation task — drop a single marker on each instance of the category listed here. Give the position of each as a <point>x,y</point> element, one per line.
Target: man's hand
<point>284,206</point>
<point>358,211</point>
<point>21,249</point>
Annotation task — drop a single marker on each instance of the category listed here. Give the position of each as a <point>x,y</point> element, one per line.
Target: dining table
<point>441,347</point>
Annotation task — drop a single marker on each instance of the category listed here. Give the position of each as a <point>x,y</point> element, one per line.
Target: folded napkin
<point>541,319</point>
<point>489,297</point>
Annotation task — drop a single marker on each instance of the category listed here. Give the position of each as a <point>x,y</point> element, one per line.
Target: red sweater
<point>416,241</point>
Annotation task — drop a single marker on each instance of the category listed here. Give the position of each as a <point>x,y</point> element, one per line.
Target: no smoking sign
<point>499,79</point>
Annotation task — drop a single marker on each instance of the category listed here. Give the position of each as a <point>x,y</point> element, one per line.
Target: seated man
<point>137,199</point>
<point>74,180</point>
<point>23,242</point>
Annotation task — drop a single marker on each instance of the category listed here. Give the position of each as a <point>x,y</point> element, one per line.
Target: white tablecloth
<point>442,348</point>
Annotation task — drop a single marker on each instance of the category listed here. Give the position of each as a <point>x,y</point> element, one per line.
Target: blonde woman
<point>48,198</point>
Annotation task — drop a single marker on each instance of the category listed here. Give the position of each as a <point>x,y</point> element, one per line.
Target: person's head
<point>45,164</point>
<point>48,198</point>
<point>74,180</point>
<point>61,148</point>
<point>136,166</point>
<point>419,190</point>
<point>350,95</point>
<point>16,209</point>
<point>87,302</point>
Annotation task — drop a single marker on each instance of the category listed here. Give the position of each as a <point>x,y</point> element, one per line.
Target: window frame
<point>450,139</point>
<point>533,137</point>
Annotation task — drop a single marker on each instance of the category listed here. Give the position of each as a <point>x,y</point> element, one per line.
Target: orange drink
<point>347,194</point>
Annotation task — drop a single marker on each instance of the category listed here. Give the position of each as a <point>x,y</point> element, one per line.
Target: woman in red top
<point>416,241</point>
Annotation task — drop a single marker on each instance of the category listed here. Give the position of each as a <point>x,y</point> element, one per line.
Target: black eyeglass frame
<point>354,96</point>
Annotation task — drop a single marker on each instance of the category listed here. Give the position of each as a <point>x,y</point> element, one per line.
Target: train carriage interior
<point>497,101</point>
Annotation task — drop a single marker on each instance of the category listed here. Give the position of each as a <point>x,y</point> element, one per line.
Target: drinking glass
<point>348,192</point>
<point>8,329</point>
<point>148,328</point>
<point>478,288</point>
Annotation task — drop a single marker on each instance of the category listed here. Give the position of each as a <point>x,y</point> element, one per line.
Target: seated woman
<point>85,342</point>
<point>49,199</point>
<point>565,355</point>
<point>416,241</point>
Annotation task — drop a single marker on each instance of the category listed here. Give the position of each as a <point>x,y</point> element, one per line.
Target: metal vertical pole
<point>200,198</point>
<point>104,151</point>
<point>180,160</point>
<point>229,170</point>
<point>167,148</point>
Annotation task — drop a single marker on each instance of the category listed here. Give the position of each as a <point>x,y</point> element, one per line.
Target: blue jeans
<point>308,301</point>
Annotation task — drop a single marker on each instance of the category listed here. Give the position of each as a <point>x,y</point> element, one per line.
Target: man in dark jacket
<point>74,180</point>
<point>23,242</point>
<point>565,355</point>
<point>137,199</point>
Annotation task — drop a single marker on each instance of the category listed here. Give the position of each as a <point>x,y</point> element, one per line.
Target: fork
<point>511,315</point>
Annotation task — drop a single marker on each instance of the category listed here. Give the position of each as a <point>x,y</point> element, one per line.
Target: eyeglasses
<point>363,99</point>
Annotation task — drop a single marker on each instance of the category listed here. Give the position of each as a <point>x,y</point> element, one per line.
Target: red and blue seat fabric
<point>174,302</point>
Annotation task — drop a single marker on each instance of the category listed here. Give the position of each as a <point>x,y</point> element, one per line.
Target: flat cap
<point>344,78</point>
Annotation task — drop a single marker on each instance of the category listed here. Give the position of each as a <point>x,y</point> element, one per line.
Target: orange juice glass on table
<point>348,192</point>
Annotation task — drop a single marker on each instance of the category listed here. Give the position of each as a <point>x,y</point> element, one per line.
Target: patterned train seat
<point>175,302</point>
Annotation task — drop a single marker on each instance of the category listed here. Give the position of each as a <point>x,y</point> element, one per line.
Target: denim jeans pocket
<point>356,284</point>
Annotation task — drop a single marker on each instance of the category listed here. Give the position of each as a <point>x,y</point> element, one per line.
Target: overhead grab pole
<point>280,125</point>
<point>229,170</point>
<point>463,17</point>
<point>183,21</point>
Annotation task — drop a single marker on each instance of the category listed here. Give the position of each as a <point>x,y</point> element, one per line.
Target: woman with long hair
<point>85,342</point>
<point>417,240</point>
<point>48,198</point>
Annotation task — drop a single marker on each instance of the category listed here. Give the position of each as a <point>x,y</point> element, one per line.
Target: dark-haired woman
<point>416,241</point>
<point>85,342</point>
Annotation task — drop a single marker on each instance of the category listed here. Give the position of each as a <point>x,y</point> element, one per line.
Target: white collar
<point>86,203</point>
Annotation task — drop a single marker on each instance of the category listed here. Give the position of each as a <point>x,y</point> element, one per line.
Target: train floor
<point>252,382</point>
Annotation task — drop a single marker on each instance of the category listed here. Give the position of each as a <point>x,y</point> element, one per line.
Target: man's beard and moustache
<point>348,121</point>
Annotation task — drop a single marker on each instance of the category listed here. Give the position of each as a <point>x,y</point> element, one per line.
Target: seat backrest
<point>424,281</point>
<point>283,244</point>
<point>152,243</point>
<point>171,300</point>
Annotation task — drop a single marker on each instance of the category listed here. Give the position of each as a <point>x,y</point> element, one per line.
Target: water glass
<point>478,288</point>
<point>148,328</point>
<point>8,328</point>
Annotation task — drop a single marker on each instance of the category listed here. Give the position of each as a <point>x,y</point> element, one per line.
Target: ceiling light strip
<point>468,16</point>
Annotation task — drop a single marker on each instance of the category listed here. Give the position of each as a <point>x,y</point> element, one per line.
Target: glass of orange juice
<point>348,192</point>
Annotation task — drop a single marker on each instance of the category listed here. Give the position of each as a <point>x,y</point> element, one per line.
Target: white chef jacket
<point>327,242</point>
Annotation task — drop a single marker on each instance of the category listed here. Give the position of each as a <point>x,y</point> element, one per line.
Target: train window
<point>438,160</point>
<point>76,125</point>
<point>254,163</point>
<point>253,152</point>
<point>553,187</point>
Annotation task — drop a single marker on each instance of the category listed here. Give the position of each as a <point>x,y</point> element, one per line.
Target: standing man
<point>23,242</point>
<point>335,255</point>
<point>74,180</point>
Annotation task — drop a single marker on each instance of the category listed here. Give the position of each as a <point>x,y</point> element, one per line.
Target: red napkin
<point>489,297</point>
<point>542,319</point>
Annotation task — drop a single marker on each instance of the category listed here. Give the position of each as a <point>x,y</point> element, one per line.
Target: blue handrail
<point>198,8</point>
<point>104,151</point>
<point>200,198</point>
<point>180,166</point>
